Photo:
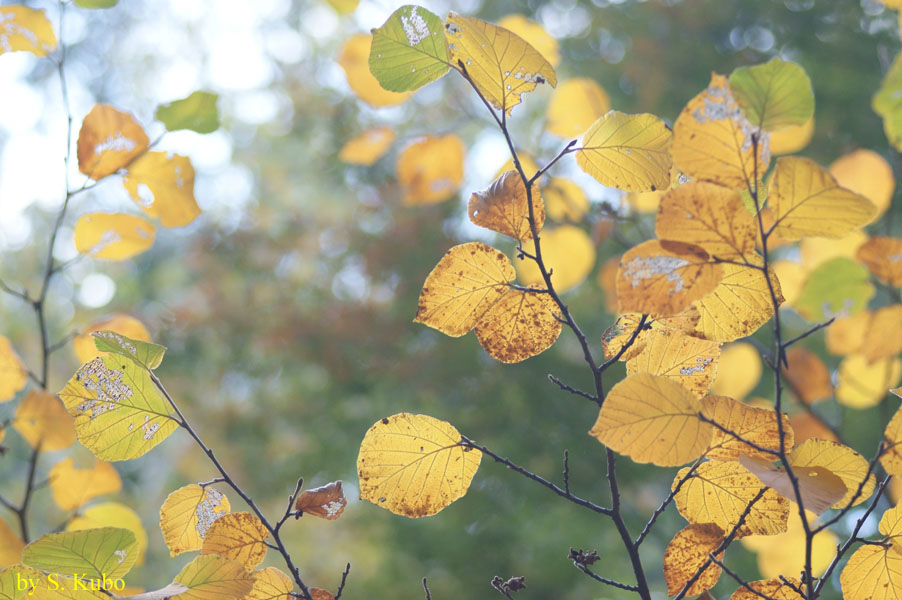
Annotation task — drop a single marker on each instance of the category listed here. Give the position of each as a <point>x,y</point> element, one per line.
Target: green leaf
<point>409,50</point>
<point>887,103</point>
<point>773,95</point>
<point>145,354</point>
<point>838,287</point>
<point>106,552</point>
<point>96,3</point>
<point>212,577</point>
<point>11,582</point>
<point>197,112</point>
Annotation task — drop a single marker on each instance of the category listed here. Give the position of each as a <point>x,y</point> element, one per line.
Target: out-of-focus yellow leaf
<point>526,162</point>
<point>108,141</point>
<point>862,384</point>
<point>892,457</point>
<point>113,236</point>
<point>240,536</point>
<point>162,184</point>
<point>574,106</point>
<point>565,200</point>
<point>883,338</point>
<point>431,169</point>
<point>344,7</point>
<point>738,372</point>
<point>784,553</point>
<point>867,173</point>
<point>757,425</point>
<point>791,276</point>
<point>807,426</point>
<point>807,375</point>
<point>501,64</point>
<point>567,251</point>
<point>13,375</point>
<point>271,584</point>
<point>368,147</point>
<point>891,526</point>
<point>713,141</point>
<point>607,280</point>
<point>519,325</point>
<point>845,335</point>
<point>503,207</point>
<point>73,487</point>
<point>112,514</point>
<point>212,577</point>
<point>883,258</point>
<point>645,202</point>
<point>467,282</point>
<point>840,460</point>
<point>687,552</point>
<point>83,344</point>
<point>739,305</point>
<point>872,573</point>
<point>535,35</point>
<point>690,361</point>
<point>816,251</point>
<point>819,488</point>
<point>413,466</point>
<point>187,514</point>
<point>719,492</point>
<point>791,139</point>
<point>28,29</point>
<point>628,152</point>
<point>652,420</point>
<point>10,553</point>
<point>43,421</point>
<point>354,59</point>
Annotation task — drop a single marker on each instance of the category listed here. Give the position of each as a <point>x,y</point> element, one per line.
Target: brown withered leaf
<point>502,207</point>
<point>326,501</point>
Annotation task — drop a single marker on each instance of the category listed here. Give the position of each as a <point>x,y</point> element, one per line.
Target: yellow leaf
<point>28,29</point>
<point>867,173</point>
<point>645,202</point>
<point>817,251</point>
<point>719,492</point>
<point>784,553</point>
<point>652,420</point>
<point>526,162</point>
<point>664,278</point>
<point>368,147</point>
<point>187,515</point>
<point>710,216</point>
<point>791,139</point>
<point>240,536</point>
<point>757,425</point>
<point>713,141</point>
<point>72,487</point>
<point>845,335</point>
<point>807,201</point>
<point>10,549</point>
<point>431,169</point>
<point>565,200</point>
<point>687,552</point>
<point>807,426</point>
<point>113,236</point>
<point>690,361</point>
<point>108,141</point>
<point>112,514</point>
<point>862,384</point>
<point>872,573</point>
<point>819,488</point>
<point>344,7</point>
<point>738,306</point>
<point>883,258</point>
<point>271,584</point>
<point>792,277</point>
<point>519,325</point>
<point>607,281</point>
<point>628,152</point>
<point>503,207</point>
<point>13,375</point>
<point>567,251</point>
<point>738,372</point>
<point>211,577</point>
<point>574,106</point>
<point>463,286</point>
<point>43,421</point>
<point>807,375</point>
<point>883,337</point>
<point>770,588</point>
<point>892,457</point>
<point>355,60</point>
<point>413,466</point>
<point>535,35</point>
<point>162,184</point>
<point>501,64</point>
<point>617,335</point>
<point>891,526</point>
<point>83,344</point>
<point>840,460</point>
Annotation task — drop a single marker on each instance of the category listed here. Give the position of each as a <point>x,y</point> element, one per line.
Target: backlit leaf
<point>239,536</point>
<point>368,147</point>
<point>883,257</point>
<point>792,277</point>
<point>872,573</point>
<point>607,280</point>
<point>354,59</point>
<point>892,457</point>
<point>690,361</point>
<point>409,50</point>
<point>518,326</point>
<point>628,152</point>
<point>500,63</point>
<point>883,338</point>
<point>845,335</point>
<point>838,288</point>
<point>567,251</point>
<point>738,372</point>
<point>187,514</point>
<point>96,3</point>
<point>108,141</point>
<point>891,526</point>
<point>103,552</point>
<point>785,553</point>
<point>617,335</point>
<point>861,383</point>
<point>840,460</point>
<point>770,588</point>
<point>816,251</point>
<point>28,29</point>
<point>43,421</point>
<point>807,426</point>
<point>144,354</point>
<point>73,487</point>
<point>10,553</point>
<point>344,7</point>
<point>774,94</point>
<point>431,169</point>
<point>652,420</point>
<point>198,112</point>
<point>326,501</point>
<point>574,106</point>
<point>13,375</point>
<point>113,236</point>
<point>739,305</point>
<point>112,514</point>
<point>271,584</point>
<point>162,184</point>
<point>687,552</point>
<point>212,577</point>
<point>887,103</point>
<point>818,487</point>
<point>791,139</point>
<point>867,173</point>
<point>503,207</point>
<point>413,466</point>
<point>84,346</point>
<point>565,200</point>
<point>535,35</point>
<point>807,375</point>
<point>757,425</point>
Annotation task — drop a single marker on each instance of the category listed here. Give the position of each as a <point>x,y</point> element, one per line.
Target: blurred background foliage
<point>287,306</point>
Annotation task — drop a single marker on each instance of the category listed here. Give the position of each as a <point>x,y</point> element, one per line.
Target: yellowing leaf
<point>526,162</point>
<point>883,338</point>
<point>28,29</point>
<point>271,584</point>
<point>652,420</point>
<point>574,106</point>
<point>409,50</point>
<point>817,251</point>
<point>83,344</point>
<point>774,94</point>
<point>791,139</point>
<point>368,147</point>
<point>628,152</point>
<point>607,280</point>
<point>211,577</point>
<point>886,101</point>
<point>645,202</point>
<point>43,422</point>
<point>535,35</point>
<point>739,305</point>
<point>500,63</point>
<point>807,201</point>
<point>690,361</point>
<point>664,277</point>
<point>565,200</point>
<point>719,492</point>
<point>872,573</point>
<point>713,140</point>
<point>187,515</point>
<point>862,383</point>
<point>162,184</point>
<point>567,251</point>
<point>413,465</point>
<point>867,173</point>
<point>791,276</point>
<point>344,7</point>
<point>883,258</point>
<point>10,552</point>
<point>891,526</point>
<point>119,414</point>
<point>519,325</point>
<point>108,141</point>
<point>892,457</point>
<point>13,375</point>
<point>738,372</point>
<point>112,514</point>
<point>74,487</point>
<point>687,552</point>
<point>840,460</point>
<point>838,288</point>
<point>503,207</point>
<point>807,426</point>
<point>144,354</point>
<point>784,553</point>
<point>354,59</point>
<point>770,588</point>
<point>240,536</point>
<point>431,169</point>
<point>807,375</point>
<point>757,425</point>
<point>846,334</point>
<point>107,552</point>
<point>113,236</point>
<point>818,487</point>
<point>467,281</point>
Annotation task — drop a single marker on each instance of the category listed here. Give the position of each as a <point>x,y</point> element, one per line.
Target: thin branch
<point>567,149</point>
<point>626,346</point>
<point>344,579</point>
<point>8,504</point>
<point>426,589</point>
<point>817,327</point>
<point>742,583</point>
<point>13,292</point>
<point>573,390</point>
<point>658,511</point>
<point>605,580</point>
<point>730,432</point>
<point>566,471</point>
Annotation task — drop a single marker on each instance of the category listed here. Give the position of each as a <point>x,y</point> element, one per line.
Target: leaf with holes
<point>187,514</point>
<point>240,536</point>
<point>409,50</point>
<point>109,140</point>
<point>162,185</point>
<point>326,501</point>
<point>28,29</point>
<point>113,236</point>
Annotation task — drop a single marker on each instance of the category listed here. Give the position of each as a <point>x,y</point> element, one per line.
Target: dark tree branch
<point>572,390</point>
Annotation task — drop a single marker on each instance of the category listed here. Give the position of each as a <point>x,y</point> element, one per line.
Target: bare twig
<point>572,390</point>
<point>344,579</point>
<point>426,589</point>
